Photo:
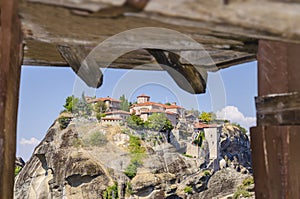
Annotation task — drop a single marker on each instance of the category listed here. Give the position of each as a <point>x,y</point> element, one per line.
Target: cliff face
<point>88,161</point>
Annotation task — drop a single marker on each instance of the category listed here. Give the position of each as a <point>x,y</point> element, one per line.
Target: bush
<point>128,191</point>
<point>137,152</point>
<point>241,192</point>
<point>188,190</point>
<point>111,192</point>
<point>207,173</point>
<point>248,181</point>
<point>95,139</point>
<point>17,170</point>
<point>64,122</point>
<point>131,170</point>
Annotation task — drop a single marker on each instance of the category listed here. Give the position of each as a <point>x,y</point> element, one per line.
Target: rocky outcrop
<point>19,162</point>
<point>58,169</point>
<point>68,163</point>
<point>235,148</point>
<point>222,183</point>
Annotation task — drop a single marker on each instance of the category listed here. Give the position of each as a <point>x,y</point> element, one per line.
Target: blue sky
<point>44,89</point>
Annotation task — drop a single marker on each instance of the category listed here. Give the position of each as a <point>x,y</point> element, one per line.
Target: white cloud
<point>233,114</point>
<point>31,141</point>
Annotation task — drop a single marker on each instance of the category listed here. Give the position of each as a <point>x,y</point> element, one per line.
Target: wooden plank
<point>278,109</point>
<point>276,160</point>
<point>43,32</point>
<point>278,67</point>
<point>274,142</point>
<point>10,64</point>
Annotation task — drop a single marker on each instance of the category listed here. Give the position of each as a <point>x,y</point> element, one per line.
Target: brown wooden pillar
<point>275,142</point>
<point>10,65</point>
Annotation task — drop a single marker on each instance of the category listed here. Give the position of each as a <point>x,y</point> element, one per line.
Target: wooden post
<point>274,142</point>
<point>10,65</point>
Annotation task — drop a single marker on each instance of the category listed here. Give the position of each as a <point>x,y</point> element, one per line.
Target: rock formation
<point>86,160</point>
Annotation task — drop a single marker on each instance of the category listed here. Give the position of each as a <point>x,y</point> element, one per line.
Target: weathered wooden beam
<point>274,142</point>
<point>278,109</point>
<point>276,160</point>
<point>10,65</point>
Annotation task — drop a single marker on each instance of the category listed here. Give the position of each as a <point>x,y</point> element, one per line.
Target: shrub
<point>207,173</point>
<point>64,122</point>
<point>100,115</point>
<point>188,190</point>
<point>241,192</point>
<point>137,152</point>
<point>17,170</point>
<point>242,129</point>
<point>131,170</point>
<point>111,192</point>
<point>248,181</point>
<point>95,139</point>
<point>128,190</point>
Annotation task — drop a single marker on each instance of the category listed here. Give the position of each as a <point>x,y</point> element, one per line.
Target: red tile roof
<point>109,99</point>
<point>173,106</point>
<point>143,95</point>
<point>171,113</point>
<point>116,112</point>
<point>110,118</point>
<point>156,104</point>
<point>153,111</point>
<point>103,99</point>
<point>148,104</point>
<point>201,125</point>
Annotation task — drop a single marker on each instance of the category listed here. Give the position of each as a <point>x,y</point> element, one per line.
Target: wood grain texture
<point>276,161</point>
<point>10,65</point>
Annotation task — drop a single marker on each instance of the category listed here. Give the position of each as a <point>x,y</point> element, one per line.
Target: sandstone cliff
<point>85,160</point>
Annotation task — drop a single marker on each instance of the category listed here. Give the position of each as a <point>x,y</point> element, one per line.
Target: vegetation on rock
<point>188,190</point>
<point>207,117</point>
<point>111,192</point>
<point>200,138</point>
<point>242,190</point>
<point>137,153</point>
<point>159,122</point>
<point>128,190</point>
<point>64,122</point>
<point>242,129</point>
<point>78,106</point>
<point>96,138</point>
<point>135,122</point>
<point>17,170</point>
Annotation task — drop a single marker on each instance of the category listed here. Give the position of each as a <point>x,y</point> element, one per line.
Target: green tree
<point>207,116</point>
<point>159,122</point>
<point>83,106</point>
<point>70,104</point>
<point>100,107</point>
<point>135,122</point>
<point>124,103</point>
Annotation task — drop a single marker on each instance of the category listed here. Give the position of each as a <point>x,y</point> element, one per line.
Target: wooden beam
<point>10,64</point>
<point>274,142</point>
<point>276,160</point>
